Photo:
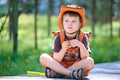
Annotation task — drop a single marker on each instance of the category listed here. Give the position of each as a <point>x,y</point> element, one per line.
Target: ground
<point>106,71</point>
<point>102,71</point>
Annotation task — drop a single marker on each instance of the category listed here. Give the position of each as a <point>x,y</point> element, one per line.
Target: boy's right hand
<point>65,45</point>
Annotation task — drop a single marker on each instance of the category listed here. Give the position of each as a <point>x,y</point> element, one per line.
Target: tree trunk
<point>35,24</point>
<point>10,21</point>
<point>93,17</point>
<point>119,23</point>
<point>111,15</point>
<point>14,14</point>
<point>49,16</point>
<point>10,27</point>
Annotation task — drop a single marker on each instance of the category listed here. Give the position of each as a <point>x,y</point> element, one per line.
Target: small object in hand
<point>69,46</point>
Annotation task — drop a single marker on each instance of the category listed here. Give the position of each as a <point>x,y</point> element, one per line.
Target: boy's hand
<point>65,45</point>
<point>75,43</point>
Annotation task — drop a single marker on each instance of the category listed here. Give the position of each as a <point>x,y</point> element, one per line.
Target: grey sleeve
<point>57,44</point>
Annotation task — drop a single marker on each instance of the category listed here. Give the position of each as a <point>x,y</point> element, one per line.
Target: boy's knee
<point>42,57</point>
<point>90,62</point>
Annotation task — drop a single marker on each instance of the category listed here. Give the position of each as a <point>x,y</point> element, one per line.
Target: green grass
<point>105,50</point>
<point>27,59</point>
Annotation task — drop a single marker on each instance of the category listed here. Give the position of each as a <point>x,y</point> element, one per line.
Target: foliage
<point>105,50</point>
<point>27,58</point>
<point>11,64</point>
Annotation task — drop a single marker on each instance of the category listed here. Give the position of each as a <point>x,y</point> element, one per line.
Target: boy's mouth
<point>69,27</point>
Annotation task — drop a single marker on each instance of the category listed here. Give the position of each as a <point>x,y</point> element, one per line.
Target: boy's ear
<point>80,25</point>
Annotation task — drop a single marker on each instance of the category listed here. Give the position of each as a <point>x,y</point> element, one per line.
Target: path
<point>106,71</point>
<point>103,71</point>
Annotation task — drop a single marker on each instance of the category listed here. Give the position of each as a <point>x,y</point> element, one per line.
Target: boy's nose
<point>70,23</point>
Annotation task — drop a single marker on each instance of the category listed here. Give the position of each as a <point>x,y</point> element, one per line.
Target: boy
<point>70,56</point>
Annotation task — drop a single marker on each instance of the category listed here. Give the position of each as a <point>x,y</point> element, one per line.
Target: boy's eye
<point>66,20</point>
<point>73,21</point>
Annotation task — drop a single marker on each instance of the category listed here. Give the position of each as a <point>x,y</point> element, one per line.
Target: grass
<point>27,59</point>
<point>105,50</point>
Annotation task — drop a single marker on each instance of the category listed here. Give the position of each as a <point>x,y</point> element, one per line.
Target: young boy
<point>70,56</point>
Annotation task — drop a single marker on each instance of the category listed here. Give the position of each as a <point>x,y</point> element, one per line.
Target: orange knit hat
<point>73,8</point>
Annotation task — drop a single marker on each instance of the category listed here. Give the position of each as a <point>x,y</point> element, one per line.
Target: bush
<point>105,50</point>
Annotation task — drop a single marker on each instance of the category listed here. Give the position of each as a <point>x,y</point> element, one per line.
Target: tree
<point>14,16</point>
<point>93,17</point>
<point>35,24</point>
<point>111,16</point>
<point>49,15</point>
<point>10,21</point>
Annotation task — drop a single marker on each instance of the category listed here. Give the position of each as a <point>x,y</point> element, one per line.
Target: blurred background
<point>26,28</point>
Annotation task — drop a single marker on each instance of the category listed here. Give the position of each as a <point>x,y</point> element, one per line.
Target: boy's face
<point>71,24</point>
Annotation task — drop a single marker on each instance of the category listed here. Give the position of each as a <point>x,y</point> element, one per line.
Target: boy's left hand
<point>75,43</point>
